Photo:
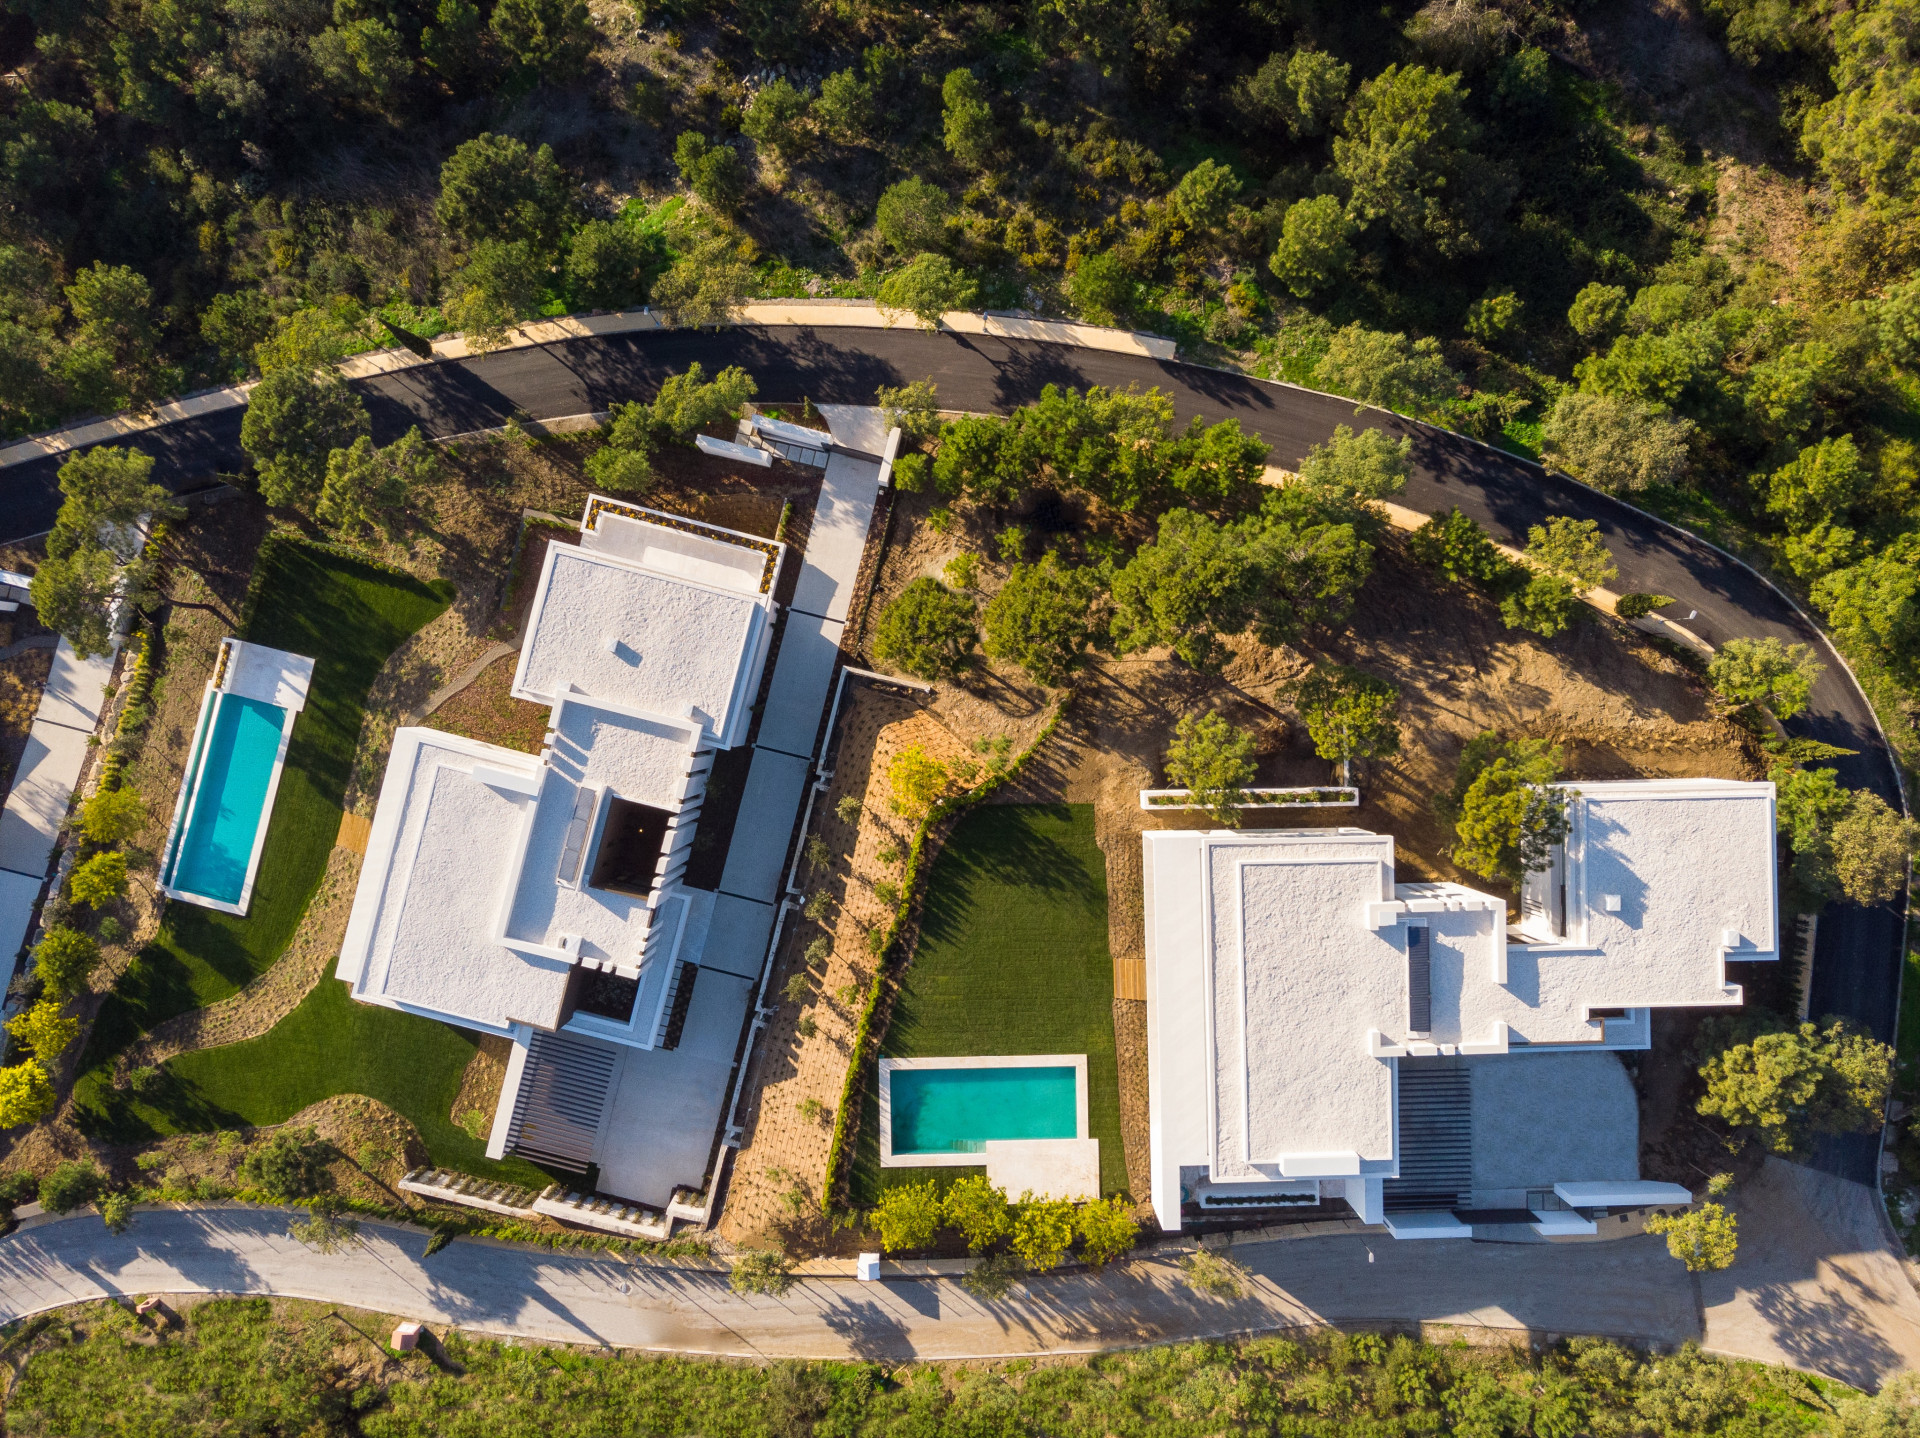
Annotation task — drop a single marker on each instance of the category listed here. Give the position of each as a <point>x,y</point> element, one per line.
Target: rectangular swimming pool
<point>946,1111</point>
<point>226,795</point>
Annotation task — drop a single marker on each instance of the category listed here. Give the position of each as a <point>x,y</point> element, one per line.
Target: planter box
<point>1330,796</point>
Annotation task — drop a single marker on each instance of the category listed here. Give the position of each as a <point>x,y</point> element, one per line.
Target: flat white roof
<point>671,544</point>
<point>663,643</point>
<point>1279,969</point>
<point>442,849</point>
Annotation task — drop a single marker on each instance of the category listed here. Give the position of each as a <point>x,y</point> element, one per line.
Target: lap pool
<point>233,772</point>
<point>946,1111</point>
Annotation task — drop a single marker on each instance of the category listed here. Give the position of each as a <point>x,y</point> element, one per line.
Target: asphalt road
<point>1857,965</point>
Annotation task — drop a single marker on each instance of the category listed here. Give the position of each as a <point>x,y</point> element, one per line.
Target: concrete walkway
<point>1629,1289</point>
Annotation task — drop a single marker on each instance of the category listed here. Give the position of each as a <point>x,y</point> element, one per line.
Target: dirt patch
<point>480,1085</point>
<point>486,710</point>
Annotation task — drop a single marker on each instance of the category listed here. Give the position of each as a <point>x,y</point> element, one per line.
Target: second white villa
<point>1319,1034</point>
<point>542,897</point>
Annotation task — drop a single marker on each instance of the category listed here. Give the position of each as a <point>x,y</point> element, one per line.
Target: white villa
<point>543,897</point>
<point>1317,1032</point>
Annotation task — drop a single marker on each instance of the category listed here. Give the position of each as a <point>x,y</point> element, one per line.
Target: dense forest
<point>1667,244</point>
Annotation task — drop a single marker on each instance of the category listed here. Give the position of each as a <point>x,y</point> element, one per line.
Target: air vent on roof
<point>1419,980</point>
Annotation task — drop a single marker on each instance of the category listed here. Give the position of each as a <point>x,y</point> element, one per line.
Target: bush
<point>1547,604</point>
<point>1102,290</point>
<point>1460,550</point>
<point>908,1216</point>
<point>917,780</point>
<point>116,1211</point>
<point>928,631</point>
<point>100,880</point>
<point>291,1164</point>
<point>1616,443</point>
<point>72,1185</point>
<point>26,1094</point>
<point>112,816</point>
<point>1638,606</point>
<point>927,287</point>
<point>690,402</point>
<point>912,217</point>
<point>761,1272</point>
<point>65,959</point>
<point>978,1210</point>
<point>1043,618</point>
<point>1042,1231</point>
<point>1704,1239</point>
<point>1107,1230</point>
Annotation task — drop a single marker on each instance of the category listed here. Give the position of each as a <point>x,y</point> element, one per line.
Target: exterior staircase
<point>563,1094</point>
<point>1436,1137</point>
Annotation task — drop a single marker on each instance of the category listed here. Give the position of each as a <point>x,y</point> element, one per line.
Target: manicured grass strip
<point>1012,959</point>
<point>332,1045</point>
<point>349,616</point>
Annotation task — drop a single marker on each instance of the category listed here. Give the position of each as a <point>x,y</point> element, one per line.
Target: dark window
<point>1419,980</point>
<point>630,845</point>
<point>608,995</point>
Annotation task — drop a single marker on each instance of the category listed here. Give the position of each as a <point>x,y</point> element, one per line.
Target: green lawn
<point>349,616</point>
<point>1012,959</point>
<point>332,1045</point>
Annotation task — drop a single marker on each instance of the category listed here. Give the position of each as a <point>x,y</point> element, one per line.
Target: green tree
<point>847,108</point>
<point>1786,1085</point>
<point>1704,1238</point>
<point>762,1272</point>
<point>1821,482</point>
<point>1102,289</point>
<point>294,422</point>
<point>46,1030</point>
<point>1505,812</point>
<point>607,264</point>
<point>453,46</point>
<point>1877,601</point>
<point>65,959</point>
<point>1215,760</point>
<point>502,283</point>
<point>234,323</point>
<point>970,461</point>
<point>1043,618</point>
<point>1597,311</point>
<point>1893,1412</point>
<point>706,285</point>
<point>363,61</point>
<point>914,409</point>
<point>1042,1231</point>
<point>908,1216</point>
<point>1616,444</point>
<point>494,188</point>
<point>1543,604</point>
<point>1869,849</point>
<point>1573,550</point>
<point>779,119</point>
<point>689,402</point>
<point>96,558</point>
<point>112,307</point>
<point>26,1095</point>
<point>978,1210</point>
<point>100,880</point>
<point>1349,715</point>
<point>368,485</point>
<point>1898,318</point>
<point>928,631</point>
<point>1316,245</point>
<point>1460,550</point>
<point>1407,150</point>
<point>290,1165</point>
<point>1387,370</point>
<point>1188,589</point>
<point>75,596</point>
<point>1764,673</point>
<point>912,216</point>
<point>621,464</point>
<point>310,338</point>
<point>1862,138</point>
<point>966,120</point>
<point>548,38</point>
<point>112,816</point>
<point>926,287</point>
<point>713,172</point>
<point>1344,478</point>
<point>1205,194</point>
<point>1495,317</point>
<point>1108,1230</point>
<point>1298,92</point>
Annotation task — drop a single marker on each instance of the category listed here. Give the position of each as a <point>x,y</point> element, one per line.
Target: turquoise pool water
<point>958,1110</point>
<point>235,770</point>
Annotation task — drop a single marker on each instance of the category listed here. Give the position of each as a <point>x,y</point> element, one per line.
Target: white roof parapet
<point>727,449</point>
<point>1633,1193</point>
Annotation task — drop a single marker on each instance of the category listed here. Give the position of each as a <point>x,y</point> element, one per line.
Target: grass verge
<point>350,616</point>
<point>1012,959</point>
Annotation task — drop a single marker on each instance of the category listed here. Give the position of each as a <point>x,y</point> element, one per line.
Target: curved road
<point>1857,965</point>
